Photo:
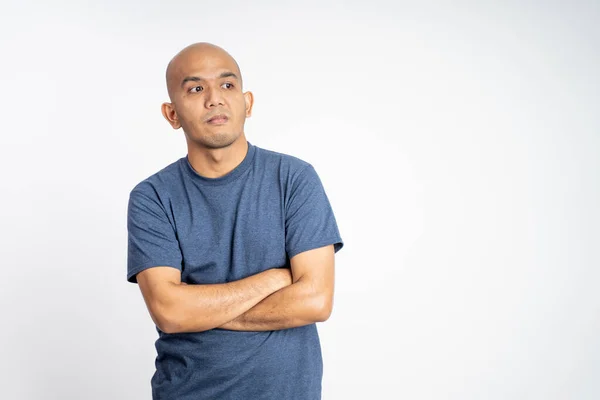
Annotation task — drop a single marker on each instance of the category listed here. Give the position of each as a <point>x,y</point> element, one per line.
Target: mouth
<point>218,119</point>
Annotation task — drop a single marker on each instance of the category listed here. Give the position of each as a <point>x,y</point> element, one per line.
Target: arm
<point>307,300</point>
<point>176,307</point>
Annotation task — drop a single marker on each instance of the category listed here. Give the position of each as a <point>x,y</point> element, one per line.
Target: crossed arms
<point>274,299</point>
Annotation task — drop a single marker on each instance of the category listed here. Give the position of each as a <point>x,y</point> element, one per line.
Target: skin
<point>213,150</point>
<point>200,85</point>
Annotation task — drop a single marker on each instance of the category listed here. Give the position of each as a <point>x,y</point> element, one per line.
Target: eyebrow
<point>225,74</point>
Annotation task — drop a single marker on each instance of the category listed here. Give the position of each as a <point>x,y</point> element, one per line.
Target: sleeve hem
<point>337,245</point>
<point>131,275</point>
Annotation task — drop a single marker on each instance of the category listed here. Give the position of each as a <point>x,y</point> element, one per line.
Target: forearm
<point>196,308</point>
<point>294,305</point>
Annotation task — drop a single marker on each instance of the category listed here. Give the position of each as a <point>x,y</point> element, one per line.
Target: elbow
<point>323,308</point>
<point>168,326</point>
<point>168,316</point>
<point>318,304</point>
<point>178,327</point>
<point>323,315</point>
<point>164,319</point>
<point>173,322</point>
<point>176,320</point>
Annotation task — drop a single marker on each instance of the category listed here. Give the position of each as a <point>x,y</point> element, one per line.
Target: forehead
<point>209,65</point>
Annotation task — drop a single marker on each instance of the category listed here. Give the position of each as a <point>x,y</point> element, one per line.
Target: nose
<point>213,98</point>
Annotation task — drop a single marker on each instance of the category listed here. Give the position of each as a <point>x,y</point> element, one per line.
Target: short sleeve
<point>151,238</point>
<point>310,222</point>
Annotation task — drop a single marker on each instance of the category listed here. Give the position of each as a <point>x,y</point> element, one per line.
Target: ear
<point>249,100</point>
<point>168,111</point>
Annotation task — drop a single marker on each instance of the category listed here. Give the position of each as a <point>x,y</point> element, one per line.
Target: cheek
<point>241,109</point>
<point>191,113</point>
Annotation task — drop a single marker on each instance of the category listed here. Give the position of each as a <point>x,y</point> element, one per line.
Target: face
<point>207,99</point>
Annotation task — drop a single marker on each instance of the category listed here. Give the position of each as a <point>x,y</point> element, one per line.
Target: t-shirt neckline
<point>229,177</point>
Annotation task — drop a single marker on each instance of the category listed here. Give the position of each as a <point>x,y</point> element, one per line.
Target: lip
<point>218,119</point>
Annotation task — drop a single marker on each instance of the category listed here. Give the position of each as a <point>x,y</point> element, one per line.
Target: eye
<point>193,90</point>
<point>228,83</point>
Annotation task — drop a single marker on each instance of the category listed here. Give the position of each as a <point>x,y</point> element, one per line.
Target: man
<point>232,247</point>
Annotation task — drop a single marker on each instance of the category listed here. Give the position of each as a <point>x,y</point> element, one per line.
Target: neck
<point>214,163</point>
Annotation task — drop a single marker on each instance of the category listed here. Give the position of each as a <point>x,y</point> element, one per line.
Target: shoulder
<point>159,183</point>
<point>287,164</point>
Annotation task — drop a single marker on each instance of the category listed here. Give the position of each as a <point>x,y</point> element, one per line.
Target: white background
<point>459,144</point>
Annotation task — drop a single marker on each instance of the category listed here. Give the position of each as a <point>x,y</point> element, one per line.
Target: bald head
<point>201,53</point>
<point>205,86</point>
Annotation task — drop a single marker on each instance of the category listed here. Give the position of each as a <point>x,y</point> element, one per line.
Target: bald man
<point>232,247</point>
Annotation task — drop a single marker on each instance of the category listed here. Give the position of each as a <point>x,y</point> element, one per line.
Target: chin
<point>219,140</point>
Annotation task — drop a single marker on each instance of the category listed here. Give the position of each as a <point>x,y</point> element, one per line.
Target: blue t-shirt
<point>271,207</point>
